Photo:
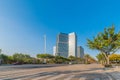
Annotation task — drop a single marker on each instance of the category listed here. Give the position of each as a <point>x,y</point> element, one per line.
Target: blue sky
<point>24,22</point>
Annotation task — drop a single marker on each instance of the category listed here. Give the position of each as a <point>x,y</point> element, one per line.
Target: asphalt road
<point>53,72</point>
<point>27,66</point>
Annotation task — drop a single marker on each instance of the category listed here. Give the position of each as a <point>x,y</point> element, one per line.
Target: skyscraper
<point>67,46</point>
<point>72,44</point>
<point>80,52</point>
<point>54,51</point>
<point>62,45</point>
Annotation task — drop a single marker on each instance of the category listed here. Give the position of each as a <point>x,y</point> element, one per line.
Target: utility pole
<point>45,44</point>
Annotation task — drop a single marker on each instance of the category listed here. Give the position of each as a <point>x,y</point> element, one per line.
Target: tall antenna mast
<point>45,44</point>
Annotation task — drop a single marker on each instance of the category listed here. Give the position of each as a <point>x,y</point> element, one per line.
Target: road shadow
<point>78,74</point>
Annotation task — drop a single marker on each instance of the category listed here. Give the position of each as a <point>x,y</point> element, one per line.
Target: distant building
<point>72,44</point>
<point>66,45</point>
<point>80,52</point>
<point>54,51</point>
<point>62,45</point>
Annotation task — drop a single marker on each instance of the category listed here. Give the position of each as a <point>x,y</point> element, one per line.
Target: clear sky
<point>24,22</point>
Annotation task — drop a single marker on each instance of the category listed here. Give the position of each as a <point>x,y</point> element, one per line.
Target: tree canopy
<point>101,58</point>
<point>106,42</point>
<point>114,58</point>
<point>44,56</point>
<point>19,57</point>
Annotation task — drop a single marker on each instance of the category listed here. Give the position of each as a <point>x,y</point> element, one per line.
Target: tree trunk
<point>107,58</point>
<point>108,62</point>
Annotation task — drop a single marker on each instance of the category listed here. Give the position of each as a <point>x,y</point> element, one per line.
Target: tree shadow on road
<point>90,74</point>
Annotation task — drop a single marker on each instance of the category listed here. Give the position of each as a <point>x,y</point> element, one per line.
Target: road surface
<point>53,72</point>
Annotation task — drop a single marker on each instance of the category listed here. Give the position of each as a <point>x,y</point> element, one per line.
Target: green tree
<point>101,58</point>
<point>79,60</point>
<point>0,54</point>
<point>44,56</point>
<point>72,58</point>
<point>107,42</point>
<point>60,59</point>
<point>87,56</point>
<point>89,59</point>
<point>3,57</point>
<point>22,58</point>
<point>0,51</point>
<point>114,58</point>
<point>10,59</point>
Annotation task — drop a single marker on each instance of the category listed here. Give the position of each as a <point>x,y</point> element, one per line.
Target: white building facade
<point>72,45</point>
<point>66,45</point>
<point>54,51</point>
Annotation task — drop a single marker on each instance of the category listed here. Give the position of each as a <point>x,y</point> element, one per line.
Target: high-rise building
<point>72,44</point>
<point>80,52</point>
<point>54,51</point>
<point>67,46</point>
<point>62,45</point>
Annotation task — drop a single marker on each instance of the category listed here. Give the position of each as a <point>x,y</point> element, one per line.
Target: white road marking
<point>57,76</point>
<point>69,78</point>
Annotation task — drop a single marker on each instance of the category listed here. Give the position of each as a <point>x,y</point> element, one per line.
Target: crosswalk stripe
<point>38,78</point>
<point>69,78</point>
<point>56,77</point>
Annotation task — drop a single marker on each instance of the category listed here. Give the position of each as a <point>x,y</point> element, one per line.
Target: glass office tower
<point>67,45</point>
<point>72,44</point>
<point>54,51</point>
<point>80,52</point>
<point>62,45</point>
